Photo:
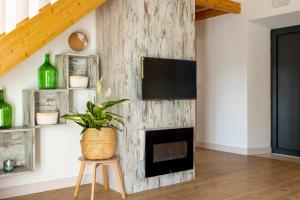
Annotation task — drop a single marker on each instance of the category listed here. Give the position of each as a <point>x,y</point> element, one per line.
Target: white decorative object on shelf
<point>46,118</point>
<point>79,81</point>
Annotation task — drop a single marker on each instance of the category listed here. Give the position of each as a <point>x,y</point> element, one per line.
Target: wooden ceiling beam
<point>208,14</point>
<point>200,8</point>
<point>226,6</point>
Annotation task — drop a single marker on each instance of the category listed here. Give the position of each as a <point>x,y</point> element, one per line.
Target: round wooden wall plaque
<point>78,41</point>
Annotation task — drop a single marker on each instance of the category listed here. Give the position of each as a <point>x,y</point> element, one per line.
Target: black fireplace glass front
<point>168,151</point>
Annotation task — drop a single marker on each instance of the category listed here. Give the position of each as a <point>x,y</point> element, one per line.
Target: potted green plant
<point>99,126</point>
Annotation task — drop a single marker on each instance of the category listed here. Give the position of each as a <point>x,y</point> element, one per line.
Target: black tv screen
<point>168,79</point>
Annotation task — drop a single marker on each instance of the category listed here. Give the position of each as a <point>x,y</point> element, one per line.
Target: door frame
<point>274,82</point>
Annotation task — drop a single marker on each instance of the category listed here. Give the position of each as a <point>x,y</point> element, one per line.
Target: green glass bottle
<point>47,75</point>
<point>5,112</point>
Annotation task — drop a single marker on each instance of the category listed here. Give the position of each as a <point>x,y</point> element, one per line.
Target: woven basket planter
<point>97,145</point>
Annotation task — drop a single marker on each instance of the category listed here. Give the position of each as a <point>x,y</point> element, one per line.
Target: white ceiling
<point>279,21</point>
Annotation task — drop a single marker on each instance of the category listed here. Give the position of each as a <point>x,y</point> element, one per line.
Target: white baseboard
<point>260,151</point>
<point>21,190</point>
<point>236,150</point>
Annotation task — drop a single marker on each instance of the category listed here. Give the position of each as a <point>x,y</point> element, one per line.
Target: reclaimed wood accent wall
<point>126,31</point>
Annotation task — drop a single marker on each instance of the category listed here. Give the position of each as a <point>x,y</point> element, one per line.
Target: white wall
<point>262,17</point>
<point>258,87</point>
<point>57,147</point>
<point>264,14</point>
<point>222,75</point>
<point>233,54</point>
<point>257,9</point>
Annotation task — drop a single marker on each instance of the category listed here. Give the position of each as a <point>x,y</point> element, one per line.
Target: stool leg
<point>93,181</point>
<point>105,178</point>
<point>119,178</point>
<point>82,166</point>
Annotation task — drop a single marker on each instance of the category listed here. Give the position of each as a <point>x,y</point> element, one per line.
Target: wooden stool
<point>114,162</point>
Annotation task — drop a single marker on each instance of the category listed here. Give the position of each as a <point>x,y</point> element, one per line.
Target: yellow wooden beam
<point>22,22</point>
<point>34,33</point>
<point>208,14</point>
<point>226,6</point>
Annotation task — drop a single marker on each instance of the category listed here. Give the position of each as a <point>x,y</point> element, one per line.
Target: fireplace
<point>168,151</point>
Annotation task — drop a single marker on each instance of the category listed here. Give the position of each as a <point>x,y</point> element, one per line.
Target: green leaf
<point>97,111</point>
<point>90,106</point>
<point>120,121</point>
<point>114,114</point>
<point>80,124</point>
<point>109,104</point>
<point>96,116</point>
<point>100,121</point>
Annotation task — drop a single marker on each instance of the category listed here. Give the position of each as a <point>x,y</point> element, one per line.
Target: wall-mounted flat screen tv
<point>168,79</point>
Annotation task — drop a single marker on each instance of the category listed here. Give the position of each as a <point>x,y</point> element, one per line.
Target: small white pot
<point>79,81</point>
<point>46,118</point>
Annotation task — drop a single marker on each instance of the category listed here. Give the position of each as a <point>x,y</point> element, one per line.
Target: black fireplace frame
<point>167,136</point>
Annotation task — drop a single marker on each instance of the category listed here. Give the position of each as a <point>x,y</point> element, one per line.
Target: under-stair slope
<point>32,34</point>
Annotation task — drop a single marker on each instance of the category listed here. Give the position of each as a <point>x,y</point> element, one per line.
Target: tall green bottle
<point>5,112</point>
<point>47,75</point>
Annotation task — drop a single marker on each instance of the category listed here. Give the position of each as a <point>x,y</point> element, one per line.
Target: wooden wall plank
<point>61,61</point>
<point>39,30</point>
<point>28,108</point>
<point>126,31</point>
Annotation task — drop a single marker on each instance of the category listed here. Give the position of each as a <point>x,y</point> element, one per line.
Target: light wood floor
<point>220,176</point>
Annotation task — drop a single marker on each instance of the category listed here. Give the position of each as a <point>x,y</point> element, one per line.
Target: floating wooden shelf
<point>211,8</point>
<point>77,65</point>
<point>18,143</point>
<point>47,90</point>
<point>35,101</point>
<point>82,88</point>
<point>50,125</point>
<point>17,171</point>
<point>16,129</point>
